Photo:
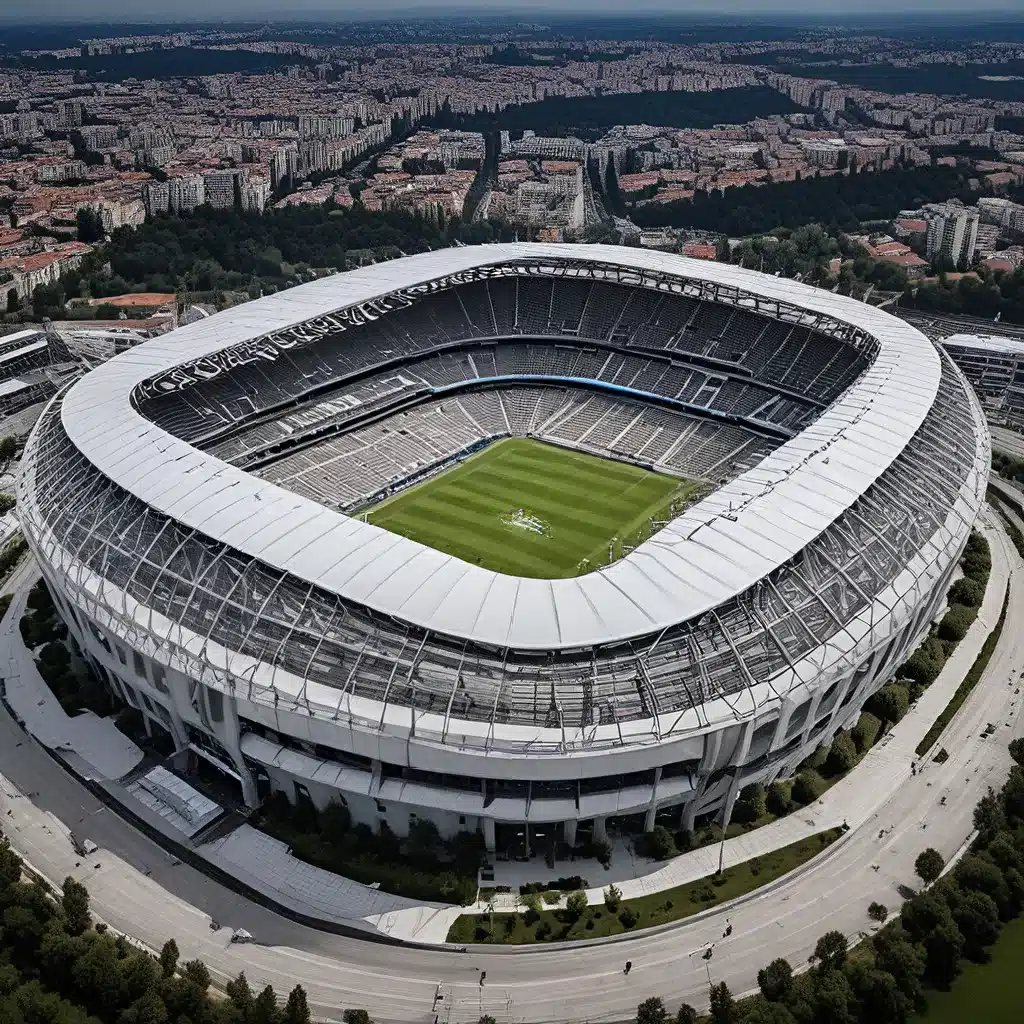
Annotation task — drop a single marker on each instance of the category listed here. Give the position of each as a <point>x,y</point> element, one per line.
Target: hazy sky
<point>180,10</point>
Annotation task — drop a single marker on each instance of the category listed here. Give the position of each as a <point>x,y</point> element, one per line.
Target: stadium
<point>531,540</point>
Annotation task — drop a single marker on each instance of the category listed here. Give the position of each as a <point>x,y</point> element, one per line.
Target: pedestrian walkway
<point>94,747</point>
<point>266,866</point>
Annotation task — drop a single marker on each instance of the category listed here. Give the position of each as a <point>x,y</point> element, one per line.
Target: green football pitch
<point>532,509</point>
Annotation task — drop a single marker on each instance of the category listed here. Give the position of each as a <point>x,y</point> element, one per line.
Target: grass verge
<point>646,911</point>
<point>969,682</point>
<point>984,992</point>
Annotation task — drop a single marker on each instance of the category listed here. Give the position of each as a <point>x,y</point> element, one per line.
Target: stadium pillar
<point>490,843</point>
<point>652,810</point>
<point>569,832</point>
<point>600,830</point>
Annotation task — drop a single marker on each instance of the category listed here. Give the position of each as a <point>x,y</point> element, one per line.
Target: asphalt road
<point>137,888</point>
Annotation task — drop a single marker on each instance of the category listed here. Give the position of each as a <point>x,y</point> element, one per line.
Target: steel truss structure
<point>798,647</point>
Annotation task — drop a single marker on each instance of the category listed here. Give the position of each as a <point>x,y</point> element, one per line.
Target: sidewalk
<point>265,864</point>
<point>94,747</point>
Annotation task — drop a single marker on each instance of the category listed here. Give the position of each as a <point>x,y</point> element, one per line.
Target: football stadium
<point>517,538</point>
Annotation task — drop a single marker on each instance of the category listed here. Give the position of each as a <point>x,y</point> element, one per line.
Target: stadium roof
<point>715,550</point>
<point>993,343</point>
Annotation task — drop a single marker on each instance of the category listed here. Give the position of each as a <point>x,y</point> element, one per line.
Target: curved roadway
<point>139,889</point>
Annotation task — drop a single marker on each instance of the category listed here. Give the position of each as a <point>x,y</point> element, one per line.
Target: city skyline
<point>66,11</point>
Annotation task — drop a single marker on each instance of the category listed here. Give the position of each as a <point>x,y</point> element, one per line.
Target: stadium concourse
<point>201,508</point>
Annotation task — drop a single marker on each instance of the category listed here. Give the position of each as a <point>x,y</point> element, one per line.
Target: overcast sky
<point>181,10</point>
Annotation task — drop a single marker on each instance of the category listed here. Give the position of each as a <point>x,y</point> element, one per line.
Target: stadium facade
<point>995,366</point>
<point>187,502</point>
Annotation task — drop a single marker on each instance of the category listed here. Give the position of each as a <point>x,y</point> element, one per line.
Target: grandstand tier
<point>188,504</point>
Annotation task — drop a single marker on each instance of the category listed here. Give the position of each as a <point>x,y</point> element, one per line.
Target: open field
<point>986,993</point>
<point>531,509</point>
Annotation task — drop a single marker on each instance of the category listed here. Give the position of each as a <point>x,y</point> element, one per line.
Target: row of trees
<point>57,968</point>
<point>953,921</point>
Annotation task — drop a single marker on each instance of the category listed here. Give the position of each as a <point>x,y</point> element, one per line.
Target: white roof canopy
<point>713,551</point>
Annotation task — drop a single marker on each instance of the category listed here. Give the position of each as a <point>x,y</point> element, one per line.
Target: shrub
<point>865,732</point>
<point>751,804</point>
<point>890,703</point>
<point>878,912</point>
<point>956,622</point>
<point>628,917</point>
<point>531,901</point>
<point>778,799</point>
<point>818,758</point>
<point>658,843</point>
<point>925,664</point>
<point>684,840</point>
<point>612,897</point>
<point>966,592</point>
<point>807,787</point>
<point>842,755</point>
<point>552,897</point>
<point>576,904</point>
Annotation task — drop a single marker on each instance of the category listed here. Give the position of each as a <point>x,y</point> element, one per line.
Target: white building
<point>296,648</point>
<point>952,231</point>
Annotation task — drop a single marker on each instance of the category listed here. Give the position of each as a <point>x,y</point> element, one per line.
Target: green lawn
<point>532,509</point>
<point>659,908</point>
<point>989,993</point>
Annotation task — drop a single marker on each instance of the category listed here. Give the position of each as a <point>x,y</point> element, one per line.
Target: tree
<point>778,799</point>
<point>723,1006</point>
<point>660,843</point>
<point>943,948</point>
<point>807,787</point>
<point>775,980</point>
<point>240,993</point>
<point>878,912</point>
<point>576,904</point>
<point>751,805</point>
<point>890,703</point>
<point>967,592</point>
<point>198,973</point>
<point>842,755</point>
<point>651,1011</point>
<point>75,904</point>
<point>296,1010</point>
<point>89,224</point>
<point>989,818</point>
<point>8,449</point>
<point>929,865</point>
<point>612,897</point>
<point>830,951</point>
<point>896,954</point>
<point>686,1015</point>
<point>977,917</point>
<point>1016,748</point>
<point>956,622</point>
<point>169,958</point>
<point>265,1011</point>
<point>356,1017</point>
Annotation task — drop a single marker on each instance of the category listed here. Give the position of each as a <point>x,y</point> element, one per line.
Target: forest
<point>589,117</point>
<point>840,202</point>
<point>210,250</point>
